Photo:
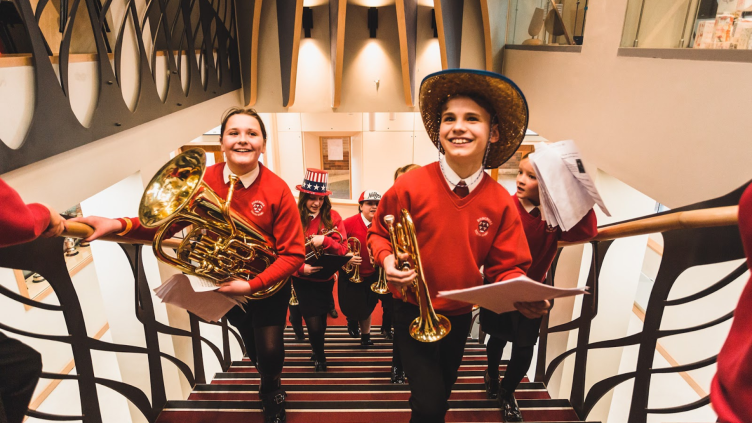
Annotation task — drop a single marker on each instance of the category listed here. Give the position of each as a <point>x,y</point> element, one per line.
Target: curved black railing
<point>683,248</point>
<point>176,28</point>
<point>44,256</point>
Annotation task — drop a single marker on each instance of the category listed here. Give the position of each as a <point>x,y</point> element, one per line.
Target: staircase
<point>356,388</point>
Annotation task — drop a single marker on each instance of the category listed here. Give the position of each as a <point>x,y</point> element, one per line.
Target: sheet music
<point>207,304</point>
<point>500,297</point>
<point>566,191</point>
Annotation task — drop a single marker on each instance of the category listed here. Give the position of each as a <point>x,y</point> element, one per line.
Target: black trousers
<point>387,307</point>
<point>431,367</point>
<point>20,368</point>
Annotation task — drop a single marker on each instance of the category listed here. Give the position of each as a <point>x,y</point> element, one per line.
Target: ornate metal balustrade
<point>176,28</point>
<point>683,249</point>
<point>44,256</point>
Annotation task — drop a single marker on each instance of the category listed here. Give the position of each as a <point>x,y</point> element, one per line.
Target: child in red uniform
<point>21,365</point>
<point>521,327</point>
<point>731,390</point>
<point>356,300</point>
<point>463,221</point>
<point>263,199</point>
<point>318,218</point>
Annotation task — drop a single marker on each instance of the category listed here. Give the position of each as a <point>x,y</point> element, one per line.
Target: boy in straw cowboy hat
<point>464,220</point>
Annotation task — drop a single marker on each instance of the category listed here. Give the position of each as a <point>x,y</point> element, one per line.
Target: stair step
<point>250,387</point>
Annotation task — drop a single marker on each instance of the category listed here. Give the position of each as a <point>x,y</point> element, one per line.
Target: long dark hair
<point>325,211</point>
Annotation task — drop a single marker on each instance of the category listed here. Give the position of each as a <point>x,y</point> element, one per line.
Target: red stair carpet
<point>355,389</point>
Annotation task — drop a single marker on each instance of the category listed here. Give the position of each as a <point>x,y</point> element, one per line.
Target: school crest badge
<point>257,208</point>
<point>484,224</point>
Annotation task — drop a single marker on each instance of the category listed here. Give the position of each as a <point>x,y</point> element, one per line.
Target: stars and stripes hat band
<point>315,182</point>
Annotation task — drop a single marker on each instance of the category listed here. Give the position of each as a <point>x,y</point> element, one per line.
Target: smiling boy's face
<point>527,183</point>
<point>466,130</point>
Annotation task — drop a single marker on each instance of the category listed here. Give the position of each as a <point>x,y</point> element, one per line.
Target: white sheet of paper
<point>500,297</point>
<point>208,305</point>
<point>335,150</point>
<point>201,284</point>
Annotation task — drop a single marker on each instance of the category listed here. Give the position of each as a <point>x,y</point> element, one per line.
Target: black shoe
<point>333,313</point>
<point>320,366</point>
<point>354,330</point>
<point>365,340</point>
<point>510,411</point>
<point>388,334</point>
<point>492,386</point>
<point>273,406</point>
<point>398,376</point>
<point>299,335</point>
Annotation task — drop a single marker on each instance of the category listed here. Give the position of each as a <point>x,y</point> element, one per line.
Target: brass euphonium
<point>353,246</point>
<point>380,286</point>
<point>428,326</point>
<point>220,245</point>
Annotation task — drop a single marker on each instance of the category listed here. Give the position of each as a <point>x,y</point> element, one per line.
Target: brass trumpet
<point>380,286</point>
<point>353,246</point>
<point>293,297</point>
<point>221,245</point>
<point>428,326</point>
<point>313,252</point>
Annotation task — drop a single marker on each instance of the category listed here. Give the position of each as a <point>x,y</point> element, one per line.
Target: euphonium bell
<point>353,246</point>
<point>428,326</point>
<point>380,286</point>
<point>220,245</point>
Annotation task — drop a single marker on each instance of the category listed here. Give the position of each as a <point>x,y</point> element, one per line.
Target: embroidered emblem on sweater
<point>483,224</point>
<point>257,207</point>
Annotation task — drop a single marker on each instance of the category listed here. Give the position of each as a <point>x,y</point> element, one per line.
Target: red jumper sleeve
<point>19,222</point>
<point>288,233</point>
<point>509,256</point>
<point>332,243</point>
<point>378,234</point>
<point>585,229</point>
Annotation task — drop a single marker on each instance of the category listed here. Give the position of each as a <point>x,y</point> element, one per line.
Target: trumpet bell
<point>428,330</point>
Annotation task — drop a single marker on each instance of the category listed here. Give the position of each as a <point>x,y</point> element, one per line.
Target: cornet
<point>353,246</point>
<point>293,297</point>
<point>428,326</point>
<point>313,252</point>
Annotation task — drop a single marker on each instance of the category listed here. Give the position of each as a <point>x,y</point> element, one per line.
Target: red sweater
<point>20,222</point>
<point>456,236</point>
<point>356,228</point>
<point>270,206</point>
<point>332,243</point>
<point>731,390</point>
<point>543,239</point>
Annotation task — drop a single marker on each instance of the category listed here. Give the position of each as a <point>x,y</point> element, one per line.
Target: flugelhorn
<point>353,246</point>
<point>428,326</point>
<point>380,286</point>
<point>313,252</point>
<point>220,245</point>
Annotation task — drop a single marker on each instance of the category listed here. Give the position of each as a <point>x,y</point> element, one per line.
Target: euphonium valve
<point>428,326</point>
<point>220,245</point>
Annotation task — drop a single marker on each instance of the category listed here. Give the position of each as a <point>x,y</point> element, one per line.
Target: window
<point>335,158</point>
<point>547,22</point>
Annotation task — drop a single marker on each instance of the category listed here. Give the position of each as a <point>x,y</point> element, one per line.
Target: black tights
<point>316,329</point>
<point>518,365</point>
<point>265,347</point>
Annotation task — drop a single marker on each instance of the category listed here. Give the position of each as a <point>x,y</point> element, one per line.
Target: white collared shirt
<point>246,179</point>
<point>365,221</point>
<point>453,179</point>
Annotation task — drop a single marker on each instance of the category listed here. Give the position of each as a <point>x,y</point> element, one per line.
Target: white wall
<point>661,126</point>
